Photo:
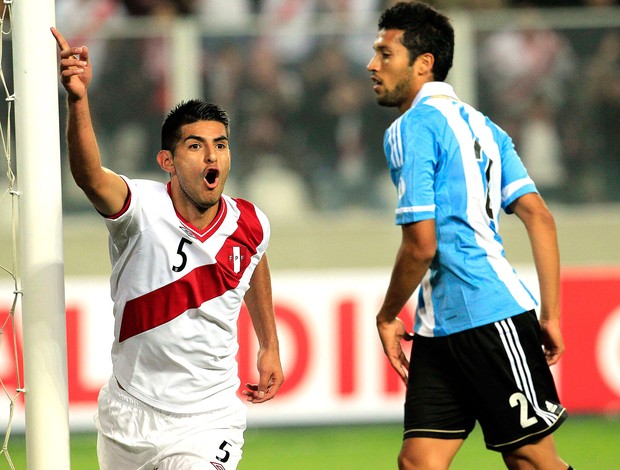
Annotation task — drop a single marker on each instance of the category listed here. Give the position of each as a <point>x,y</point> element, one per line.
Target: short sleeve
<point>515,179</point>
<point>411,149</point>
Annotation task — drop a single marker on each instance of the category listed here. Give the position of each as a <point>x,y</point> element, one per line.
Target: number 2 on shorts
<point>518,399</point>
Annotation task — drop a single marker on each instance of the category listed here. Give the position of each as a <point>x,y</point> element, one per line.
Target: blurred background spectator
<point>307,133</point>
<point>596,143</point>
<point>526,76</point>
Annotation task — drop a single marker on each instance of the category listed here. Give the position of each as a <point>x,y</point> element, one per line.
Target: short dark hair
<point>188,112</point>
<point>426,30</point>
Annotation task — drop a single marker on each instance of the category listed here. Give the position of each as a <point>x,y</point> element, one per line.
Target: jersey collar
<point>217,221</point>
<point>433,89</point>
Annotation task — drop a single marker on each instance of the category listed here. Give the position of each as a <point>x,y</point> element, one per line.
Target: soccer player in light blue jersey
<point>480,352</point>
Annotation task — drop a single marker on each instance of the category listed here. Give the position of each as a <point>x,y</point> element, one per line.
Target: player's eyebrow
<point>381,47</point>
<point>203,140</point>
<point>194,137</point>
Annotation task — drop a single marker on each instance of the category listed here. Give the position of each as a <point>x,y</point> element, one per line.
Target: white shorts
<point>136,436</point>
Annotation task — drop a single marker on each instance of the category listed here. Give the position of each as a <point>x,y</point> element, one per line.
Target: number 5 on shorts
<point>226,456</point>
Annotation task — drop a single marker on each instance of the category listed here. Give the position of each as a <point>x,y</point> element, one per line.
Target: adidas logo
<point>551,406</point>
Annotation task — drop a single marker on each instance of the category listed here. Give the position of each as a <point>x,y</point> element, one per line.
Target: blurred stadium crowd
<point>306,130</point>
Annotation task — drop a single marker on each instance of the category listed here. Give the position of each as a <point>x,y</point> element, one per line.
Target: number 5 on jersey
<point>181,253</point>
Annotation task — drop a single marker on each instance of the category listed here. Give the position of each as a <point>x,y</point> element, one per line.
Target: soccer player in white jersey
<point>184,258</point>
<point>479,352</point>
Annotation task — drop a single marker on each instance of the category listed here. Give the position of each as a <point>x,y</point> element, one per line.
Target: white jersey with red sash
<point>177,294</point>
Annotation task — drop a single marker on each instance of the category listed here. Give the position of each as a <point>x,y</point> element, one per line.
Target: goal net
<point>10,376</point>
<point>33,375</point>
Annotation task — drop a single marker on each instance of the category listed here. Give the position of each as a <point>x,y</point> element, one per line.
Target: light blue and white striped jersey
<point>450,163</point>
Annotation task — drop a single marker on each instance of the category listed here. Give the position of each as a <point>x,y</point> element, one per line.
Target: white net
<point>11,380</point>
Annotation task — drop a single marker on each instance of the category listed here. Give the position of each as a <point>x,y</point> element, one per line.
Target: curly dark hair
<point>426,30</point>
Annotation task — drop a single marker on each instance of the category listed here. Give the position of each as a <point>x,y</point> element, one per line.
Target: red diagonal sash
<point>201,284</point>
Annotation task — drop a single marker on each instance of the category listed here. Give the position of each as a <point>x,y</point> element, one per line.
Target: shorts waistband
<point>119,393</point>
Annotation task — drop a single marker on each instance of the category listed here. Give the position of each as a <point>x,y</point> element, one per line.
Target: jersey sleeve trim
<point>515,190</point>
<point>405,215</point>
<point>126,205</point>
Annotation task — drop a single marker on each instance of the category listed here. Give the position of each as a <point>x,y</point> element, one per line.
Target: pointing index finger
<point>60,40</point>
<point>66,51</point>
<point>63,45</point>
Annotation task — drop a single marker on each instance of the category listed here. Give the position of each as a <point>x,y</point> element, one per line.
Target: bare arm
<point>260,306</point>
<point>540,226</point>
<point>105,189</point>
<point>416,252</point>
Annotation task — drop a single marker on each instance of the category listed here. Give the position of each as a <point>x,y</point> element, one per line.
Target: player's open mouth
<point>376,83</point>
<point>212,177</point>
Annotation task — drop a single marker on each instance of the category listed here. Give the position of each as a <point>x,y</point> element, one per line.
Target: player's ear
<point>166,161</point>
<point>423,64</point>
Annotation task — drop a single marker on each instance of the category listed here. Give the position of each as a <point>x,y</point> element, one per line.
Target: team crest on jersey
<point>218,466</point>
<point>237,258</point>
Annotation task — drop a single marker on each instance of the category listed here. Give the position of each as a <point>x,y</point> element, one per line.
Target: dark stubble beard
<point>201,206</point>
<point>397,96</point>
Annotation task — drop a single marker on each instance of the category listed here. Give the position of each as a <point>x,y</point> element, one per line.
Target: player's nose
<point>372,65</point>
<point>210,154</point>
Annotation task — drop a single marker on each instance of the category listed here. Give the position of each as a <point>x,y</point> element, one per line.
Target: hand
<point>553,343</point>
<point>270,378</point>
<point>391,334</point>
<point>75,69</point>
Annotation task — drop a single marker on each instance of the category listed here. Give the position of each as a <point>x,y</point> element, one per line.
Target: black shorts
<point>495,374</point>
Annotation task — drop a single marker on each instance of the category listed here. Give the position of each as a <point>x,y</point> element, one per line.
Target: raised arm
<point>541,231</point>
<point>260,306</point>
<point>416,252</point>
<point>105,189</point>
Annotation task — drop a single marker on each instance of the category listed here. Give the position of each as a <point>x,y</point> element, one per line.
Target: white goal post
<point>37,146</point>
